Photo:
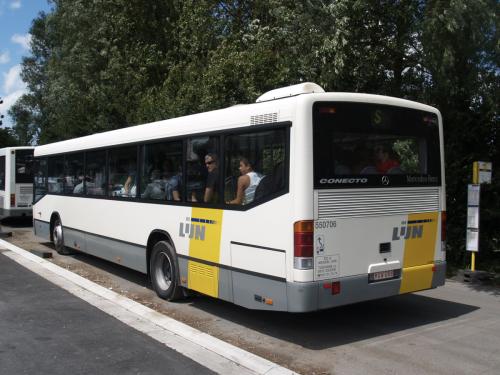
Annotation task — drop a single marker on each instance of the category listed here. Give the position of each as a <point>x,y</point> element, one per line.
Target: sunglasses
<point>209,162</point>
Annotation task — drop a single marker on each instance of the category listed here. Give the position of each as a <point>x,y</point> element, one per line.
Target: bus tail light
<point>12,200</point>
<point>334,286</point>
<point>303,232</point>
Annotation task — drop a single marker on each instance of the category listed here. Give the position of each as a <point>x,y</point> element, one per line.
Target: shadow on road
<point>17,222</point>
<point>317,330</point>
<point>486,282</point>
<point>342,325</point>
<point>487,287</point>
<point>125,273</point>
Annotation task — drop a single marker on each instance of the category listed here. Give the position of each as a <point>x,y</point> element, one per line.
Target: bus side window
<point>255,166</point>
<point>73,171</point>
<point>123,172</point>
<point>40,176</point>
<point>56,174</point>
<point>95,173</point>
<point>161,165</point>
<point>202,174</point>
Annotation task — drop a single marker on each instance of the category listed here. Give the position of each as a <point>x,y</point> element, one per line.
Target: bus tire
<point>164,272</point>
<point>58,238</point>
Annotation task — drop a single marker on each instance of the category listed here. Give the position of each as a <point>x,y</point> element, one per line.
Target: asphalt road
<point>46,330</point>
<point>451,330</point>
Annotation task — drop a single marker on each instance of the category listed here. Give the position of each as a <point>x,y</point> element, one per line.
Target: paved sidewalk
<point>46,330</point>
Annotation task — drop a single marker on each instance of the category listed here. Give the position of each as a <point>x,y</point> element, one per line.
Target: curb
<point>228,359</point>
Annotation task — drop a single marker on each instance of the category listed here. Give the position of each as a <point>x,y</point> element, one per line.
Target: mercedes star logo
<point>385,180</point>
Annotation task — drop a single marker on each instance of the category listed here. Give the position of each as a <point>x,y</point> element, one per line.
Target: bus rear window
<point>369,145</point>
<point>24,166</point>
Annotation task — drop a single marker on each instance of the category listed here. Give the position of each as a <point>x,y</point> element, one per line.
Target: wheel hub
<point>163,271</point>
<point>57,234</point>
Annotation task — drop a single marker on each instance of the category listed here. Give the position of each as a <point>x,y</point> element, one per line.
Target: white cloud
<point>9,101</point>
<point>13,81</point>
<point>16,4</point>
<point>13,87</point>
<point>4,57</point>
<point>22,40</point>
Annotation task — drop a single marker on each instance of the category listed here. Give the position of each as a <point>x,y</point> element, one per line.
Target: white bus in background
<point>345,199</point>
<point>16,181</point>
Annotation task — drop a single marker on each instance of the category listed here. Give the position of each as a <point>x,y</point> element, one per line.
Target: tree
<point>103,65</point>
<point>7,138</point>
<point>91,64</point>
<point>461,56</point>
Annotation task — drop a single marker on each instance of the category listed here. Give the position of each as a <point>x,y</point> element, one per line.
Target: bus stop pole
<point>475,181</point>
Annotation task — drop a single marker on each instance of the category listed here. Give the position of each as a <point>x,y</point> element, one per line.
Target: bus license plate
<point>382,275</point>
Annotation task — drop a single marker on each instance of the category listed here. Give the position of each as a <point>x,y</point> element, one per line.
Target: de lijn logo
<point>194,228</point>
<point>407,231</point>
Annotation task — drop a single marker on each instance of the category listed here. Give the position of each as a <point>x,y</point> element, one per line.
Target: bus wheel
<point>164,271</point>
<point>58,238</point>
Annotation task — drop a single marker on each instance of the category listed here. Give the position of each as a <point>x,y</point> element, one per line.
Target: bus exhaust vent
<point>265,118</point>
<point>375,202</point>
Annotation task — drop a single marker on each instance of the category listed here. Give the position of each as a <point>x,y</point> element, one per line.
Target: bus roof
<point>6,150</point>
<point>277,107</point>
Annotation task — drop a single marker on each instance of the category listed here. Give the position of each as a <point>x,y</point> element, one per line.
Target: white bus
<point>16,181</point>
<point>341,199</point>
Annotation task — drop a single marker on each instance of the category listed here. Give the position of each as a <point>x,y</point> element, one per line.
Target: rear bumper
<point>311,296</point>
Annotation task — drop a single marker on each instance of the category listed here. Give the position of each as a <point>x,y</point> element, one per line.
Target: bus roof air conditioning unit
<point>285,92</point>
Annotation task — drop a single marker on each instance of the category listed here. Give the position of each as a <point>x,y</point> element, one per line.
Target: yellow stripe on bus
<point>419,251</point>
<point>416,278</point>
<point>206,246</point>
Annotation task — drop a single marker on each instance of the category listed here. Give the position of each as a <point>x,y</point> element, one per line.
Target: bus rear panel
<point>378,207</point>
<point>16,181</point>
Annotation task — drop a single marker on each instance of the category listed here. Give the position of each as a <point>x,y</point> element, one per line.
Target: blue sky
<point>15,22</point>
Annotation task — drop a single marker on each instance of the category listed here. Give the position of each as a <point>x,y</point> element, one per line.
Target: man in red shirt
<point>384,159</point>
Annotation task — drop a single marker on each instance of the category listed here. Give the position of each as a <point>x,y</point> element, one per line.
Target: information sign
<point>473,194</point>
<point>482,169</point>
